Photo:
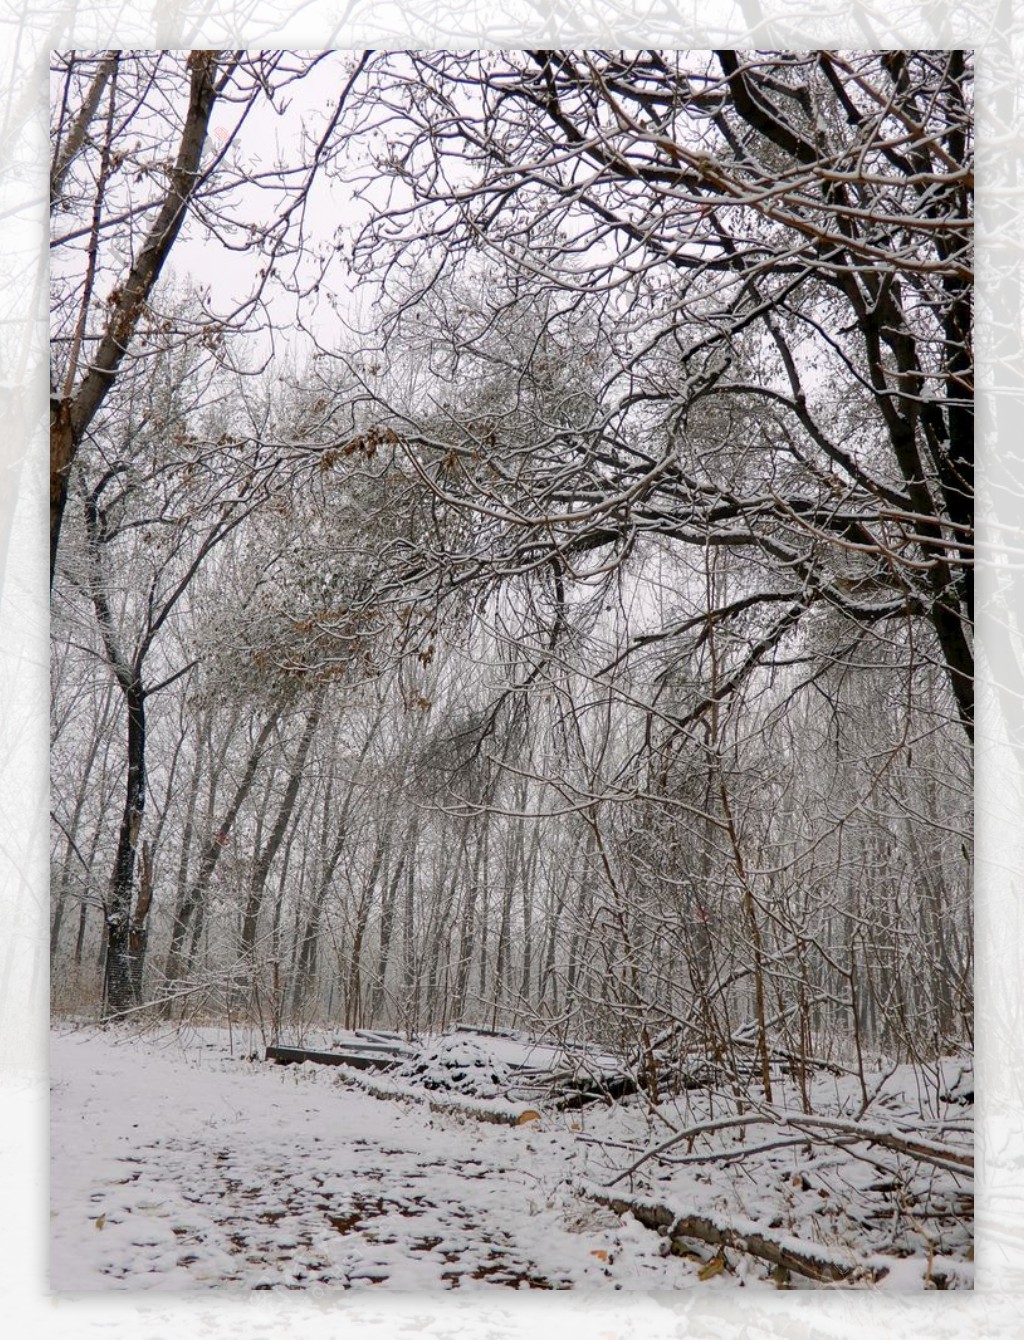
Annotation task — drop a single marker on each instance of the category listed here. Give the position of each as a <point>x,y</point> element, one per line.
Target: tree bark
<point>119,974</point>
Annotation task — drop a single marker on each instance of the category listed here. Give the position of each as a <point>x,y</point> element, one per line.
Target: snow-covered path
<point>182,1167</point>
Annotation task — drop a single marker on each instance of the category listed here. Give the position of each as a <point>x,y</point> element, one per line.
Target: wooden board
<point>362,1058</point>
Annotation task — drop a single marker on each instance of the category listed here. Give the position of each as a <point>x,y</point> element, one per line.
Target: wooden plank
<point>385,1039</point>
<point>364,1045</point>
<point>361,1060</point>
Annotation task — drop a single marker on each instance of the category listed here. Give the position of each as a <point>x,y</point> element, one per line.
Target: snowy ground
<point>177,1163</point>
<point>181,1167</point>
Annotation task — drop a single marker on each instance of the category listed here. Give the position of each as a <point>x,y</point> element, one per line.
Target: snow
<point>378,1086</point>
<point>458,1064</point>
<point>508,1051</point>
<point>181,1162</point>
<point>178,1166</point>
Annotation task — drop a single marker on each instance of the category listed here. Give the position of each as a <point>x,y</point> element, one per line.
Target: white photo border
<point>996,33</point>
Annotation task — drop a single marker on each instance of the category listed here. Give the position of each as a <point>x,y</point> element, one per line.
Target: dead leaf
<point>101,1221</point>
<point>714,1267</point>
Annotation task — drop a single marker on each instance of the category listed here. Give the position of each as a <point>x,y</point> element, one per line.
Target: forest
<point>511,523</point>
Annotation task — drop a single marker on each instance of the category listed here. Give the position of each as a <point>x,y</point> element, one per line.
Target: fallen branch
<point>811,1261</point>
<point>949,1158</point>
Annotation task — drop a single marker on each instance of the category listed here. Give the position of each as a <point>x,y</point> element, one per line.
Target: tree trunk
<point>188,833</point>
<point>138,930</point>
<point>387,923</point>
<point>353,1003</point>
<point>71,832</point>
<point>71,413</point>
<point>306,967</point>
<point>308,954</point>
<point>265,857</point>
<point>120,975</point>
<point>194,899</point>
<point>467,934</point>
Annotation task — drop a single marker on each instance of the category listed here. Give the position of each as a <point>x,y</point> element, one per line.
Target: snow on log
<point>362,1057</point>
<point>811,1260</point>
<point>951,1158</point>
<point>479,1109</point>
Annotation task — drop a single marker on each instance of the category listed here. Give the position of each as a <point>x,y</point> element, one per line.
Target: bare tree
<point>152,516</point>
<point>779,247</point>
<point>133,170</point>
<point>587,644</point>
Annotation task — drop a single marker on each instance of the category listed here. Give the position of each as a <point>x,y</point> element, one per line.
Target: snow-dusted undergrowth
<point>179,1163</point>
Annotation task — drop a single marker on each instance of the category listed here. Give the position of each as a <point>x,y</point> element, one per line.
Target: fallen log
<point>813,1262</point>
<point>362,1058</point>
<point>477,1109</point>
<point>379,1038</point>
<point>580,1093</point>
<point>461,1107</point>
